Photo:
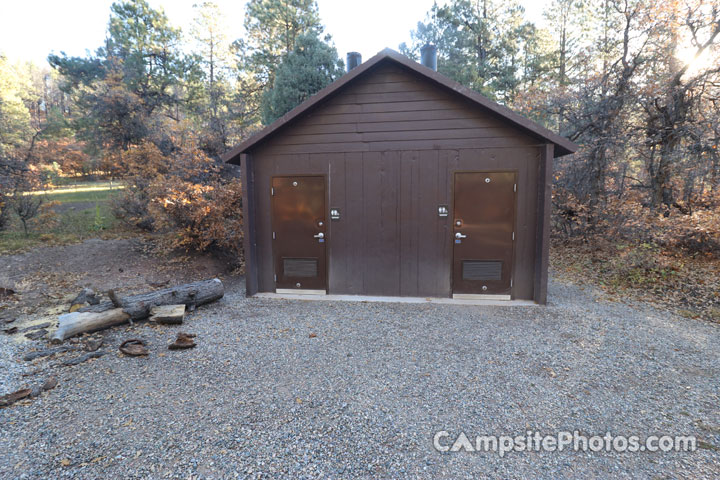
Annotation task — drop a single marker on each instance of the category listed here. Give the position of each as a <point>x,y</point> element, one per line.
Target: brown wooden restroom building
<point>397,181</point>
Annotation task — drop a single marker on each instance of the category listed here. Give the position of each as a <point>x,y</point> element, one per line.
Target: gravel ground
<point>299,389</point>
<point>10,367</point>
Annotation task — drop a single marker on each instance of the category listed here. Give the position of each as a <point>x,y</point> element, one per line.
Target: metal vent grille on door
<point>300,267</point>
<point>481,270</point>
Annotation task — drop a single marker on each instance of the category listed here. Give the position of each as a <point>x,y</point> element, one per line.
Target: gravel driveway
<point>299,389</point>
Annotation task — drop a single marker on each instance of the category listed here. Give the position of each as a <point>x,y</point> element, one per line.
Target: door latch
<point>319,235</point>
<point>460,235</point>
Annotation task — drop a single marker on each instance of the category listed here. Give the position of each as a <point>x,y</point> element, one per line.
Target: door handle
<point>460,235</point>
<point>319,235</point>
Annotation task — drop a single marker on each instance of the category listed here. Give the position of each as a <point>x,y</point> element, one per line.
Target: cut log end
<point>168,314</point>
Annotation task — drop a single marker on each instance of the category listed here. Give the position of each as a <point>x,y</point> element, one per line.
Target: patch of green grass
<point>86,221</point>
<point>81,196</point>
<point>74,221</point>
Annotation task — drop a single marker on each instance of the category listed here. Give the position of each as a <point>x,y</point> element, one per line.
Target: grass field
<point>84,192</point>
<point>82,211</point>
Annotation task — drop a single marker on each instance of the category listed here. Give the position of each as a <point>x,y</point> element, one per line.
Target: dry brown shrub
<point>188,197</point>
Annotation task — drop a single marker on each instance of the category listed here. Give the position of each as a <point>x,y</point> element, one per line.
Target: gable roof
<point>563,146</point>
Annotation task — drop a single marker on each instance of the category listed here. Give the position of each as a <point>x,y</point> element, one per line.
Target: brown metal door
<point>483,233</point>
<point>299,232</point>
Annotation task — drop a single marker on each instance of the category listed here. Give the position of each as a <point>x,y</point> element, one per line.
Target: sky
<point>31,29</point>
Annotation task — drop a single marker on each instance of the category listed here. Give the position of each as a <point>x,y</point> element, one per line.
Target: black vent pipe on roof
<point>428,56</point>
<point>353,60</point>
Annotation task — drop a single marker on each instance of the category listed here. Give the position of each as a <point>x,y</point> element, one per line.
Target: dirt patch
<point>46,279</point>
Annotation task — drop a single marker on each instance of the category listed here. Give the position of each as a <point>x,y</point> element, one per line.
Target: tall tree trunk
<point>662,188</point>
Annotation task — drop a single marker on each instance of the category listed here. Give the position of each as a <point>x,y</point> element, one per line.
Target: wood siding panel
<point>409,223</point>
<point>442,124</point>
<point>322,129</point>
<point>381,175</point>
<point>388,97</point>
<point>353,221</point>
<point>264,166</point>
<point>389,122</point>
<point>432,191</point>
<point>398,85</point>
<point>369,137</point>
<point>390,77</point>
<point>401,116</point>
<point>331,108</point>
<point>339,240</point>
<point>400,145</point>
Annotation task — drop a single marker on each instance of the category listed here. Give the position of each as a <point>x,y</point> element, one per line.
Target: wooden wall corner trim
<point>249,238</point>
<point>544,207</point>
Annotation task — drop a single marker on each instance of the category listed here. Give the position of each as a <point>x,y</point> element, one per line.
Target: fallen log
<point>75,323</point>
<point>190,294</point>
<point>135,307</point>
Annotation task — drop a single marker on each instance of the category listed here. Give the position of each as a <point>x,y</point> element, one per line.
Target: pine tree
<point>134,83</point>
<point>272,29</point>
<point>483,44</point>
<point>312,65</point>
